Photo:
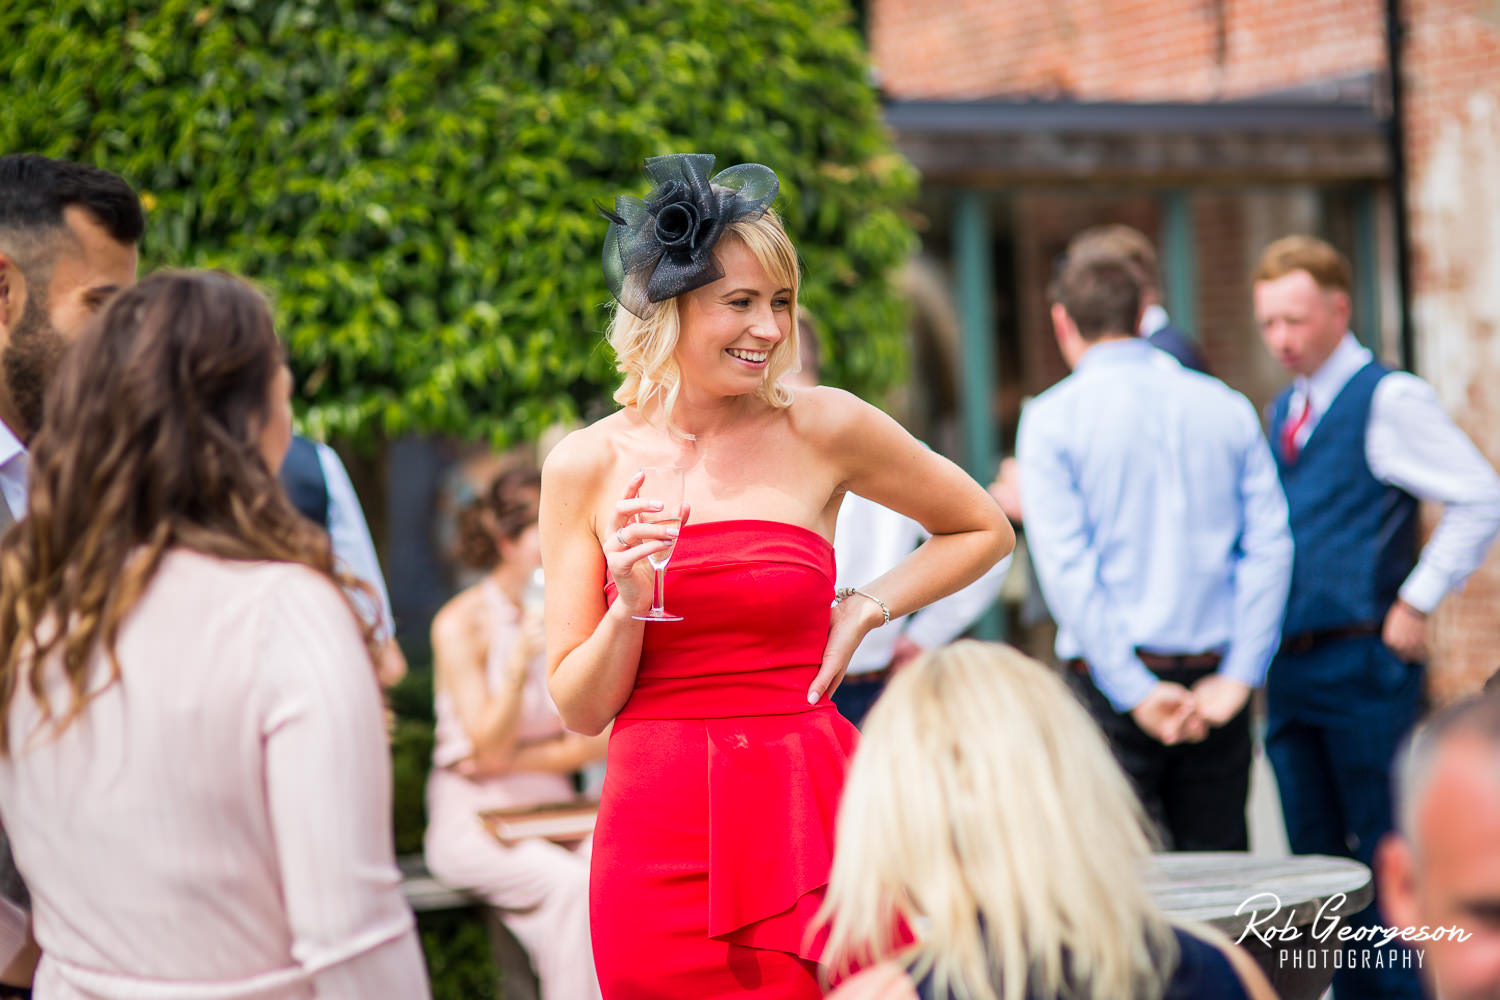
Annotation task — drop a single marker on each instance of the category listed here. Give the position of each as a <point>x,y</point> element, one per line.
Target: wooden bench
<point>426,893</point>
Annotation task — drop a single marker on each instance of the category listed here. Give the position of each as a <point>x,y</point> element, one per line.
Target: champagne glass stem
<point>659,593</point>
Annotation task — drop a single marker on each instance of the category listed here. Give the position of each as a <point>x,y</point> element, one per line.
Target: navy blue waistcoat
<point>302,478</point>
<point>1355,537</point>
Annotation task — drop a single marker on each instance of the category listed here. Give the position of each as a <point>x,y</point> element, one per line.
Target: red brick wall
<point>1224,244</point>
<point>1128,50</point>
<point>1119,49</point>
<point>1452,78</point>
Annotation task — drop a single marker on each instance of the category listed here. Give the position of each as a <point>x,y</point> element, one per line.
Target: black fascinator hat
<point>661,247</point>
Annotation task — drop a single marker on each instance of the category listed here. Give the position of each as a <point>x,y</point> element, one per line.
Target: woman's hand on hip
<point>851,620</point>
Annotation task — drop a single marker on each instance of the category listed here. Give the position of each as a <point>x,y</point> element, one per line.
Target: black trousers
<point>857,695</point>
<point>1194,792</point>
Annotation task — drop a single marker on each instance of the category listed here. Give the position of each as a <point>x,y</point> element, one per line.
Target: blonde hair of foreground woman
<point>981,786</point>
<point>644,348</point>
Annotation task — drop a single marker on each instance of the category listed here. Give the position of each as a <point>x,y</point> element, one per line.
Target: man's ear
<point>1342,305</point>
<point>1061,324</point>
<point>1396,875</point>
<point>1069,340</point>
<point>12,294</point>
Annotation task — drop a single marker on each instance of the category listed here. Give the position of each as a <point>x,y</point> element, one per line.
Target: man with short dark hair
<point>1159,534</point>
<point>68,235</point>
<point>1357,446</point>
<point>1132,246</point>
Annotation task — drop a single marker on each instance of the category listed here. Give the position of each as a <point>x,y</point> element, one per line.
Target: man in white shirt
<point>1357,446</point>
<point>868,540</point>
<point>68,235</point>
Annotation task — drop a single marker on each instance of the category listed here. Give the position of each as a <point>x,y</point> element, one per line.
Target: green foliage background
<point>412,182</point>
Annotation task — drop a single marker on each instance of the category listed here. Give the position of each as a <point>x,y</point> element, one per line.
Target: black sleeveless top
<point>1203,973</point>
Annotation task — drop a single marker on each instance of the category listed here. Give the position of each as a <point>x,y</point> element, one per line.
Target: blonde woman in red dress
<point>726,757</point>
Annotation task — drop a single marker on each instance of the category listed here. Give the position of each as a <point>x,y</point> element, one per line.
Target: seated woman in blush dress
<point>193,764</point>
<point>985,811</point>
<point>500,744</point>
<point>726,757</point>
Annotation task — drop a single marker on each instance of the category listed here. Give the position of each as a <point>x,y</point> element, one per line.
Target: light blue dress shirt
<point>1155,518</point>
<point>353,548</point>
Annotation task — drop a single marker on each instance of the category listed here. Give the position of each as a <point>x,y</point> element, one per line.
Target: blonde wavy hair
<point>985,809</point>
<point>645,349</point>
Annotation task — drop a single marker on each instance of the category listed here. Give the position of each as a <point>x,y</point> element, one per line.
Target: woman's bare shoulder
<point>585,455</point>
<point>461,620</point>
<point>827,415</point>
<point>886,981</point>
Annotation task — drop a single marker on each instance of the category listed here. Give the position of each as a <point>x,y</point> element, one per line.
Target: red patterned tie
<point>1293,428</point>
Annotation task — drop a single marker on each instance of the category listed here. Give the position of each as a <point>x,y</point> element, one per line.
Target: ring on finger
<point>621,538</point>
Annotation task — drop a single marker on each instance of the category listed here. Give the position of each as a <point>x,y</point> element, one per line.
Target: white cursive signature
<point>1325,926</point>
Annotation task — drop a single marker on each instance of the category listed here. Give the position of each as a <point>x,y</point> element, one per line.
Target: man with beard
<point>68,235</point>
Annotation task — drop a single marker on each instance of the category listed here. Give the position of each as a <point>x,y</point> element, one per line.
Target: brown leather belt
<point>1305,642</point>
<point>1162,661</point>
<point>868,677</point>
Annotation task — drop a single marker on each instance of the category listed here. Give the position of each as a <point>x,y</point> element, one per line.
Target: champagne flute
<point>663,483</point>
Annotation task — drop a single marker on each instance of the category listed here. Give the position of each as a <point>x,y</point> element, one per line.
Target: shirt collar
<point>1323,386</point>
<point>1126,350</point>
<point>1153,319</point>
<point>10,445</point>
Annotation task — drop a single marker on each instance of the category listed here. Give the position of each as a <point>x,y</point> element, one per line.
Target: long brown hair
<point>149,443</point>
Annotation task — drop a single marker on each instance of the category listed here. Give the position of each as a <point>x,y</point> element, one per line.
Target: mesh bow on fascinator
<point>661,247</point>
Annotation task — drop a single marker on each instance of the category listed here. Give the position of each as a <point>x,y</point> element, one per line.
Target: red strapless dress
<point>715,830</point>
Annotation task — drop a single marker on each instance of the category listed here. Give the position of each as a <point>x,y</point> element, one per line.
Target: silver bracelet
<point>843,593</point>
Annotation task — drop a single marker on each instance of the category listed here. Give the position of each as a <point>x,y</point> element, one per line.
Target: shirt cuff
<point>1424,589</point>
<point>1127,686</point>
<point>1244,670</point>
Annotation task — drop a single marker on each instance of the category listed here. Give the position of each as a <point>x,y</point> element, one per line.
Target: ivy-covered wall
<point>413,181</point>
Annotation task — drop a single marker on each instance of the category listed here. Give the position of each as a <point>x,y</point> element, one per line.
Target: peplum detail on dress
<point>721,699</point>
<point>771,844</point>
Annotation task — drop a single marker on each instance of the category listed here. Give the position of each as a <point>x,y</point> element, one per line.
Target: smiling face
<point>730,328</point>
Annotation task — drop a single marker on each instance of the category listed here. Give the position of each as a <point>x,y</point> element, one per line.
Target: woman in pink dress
<point>193,764</point>
<point>501,744</point>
